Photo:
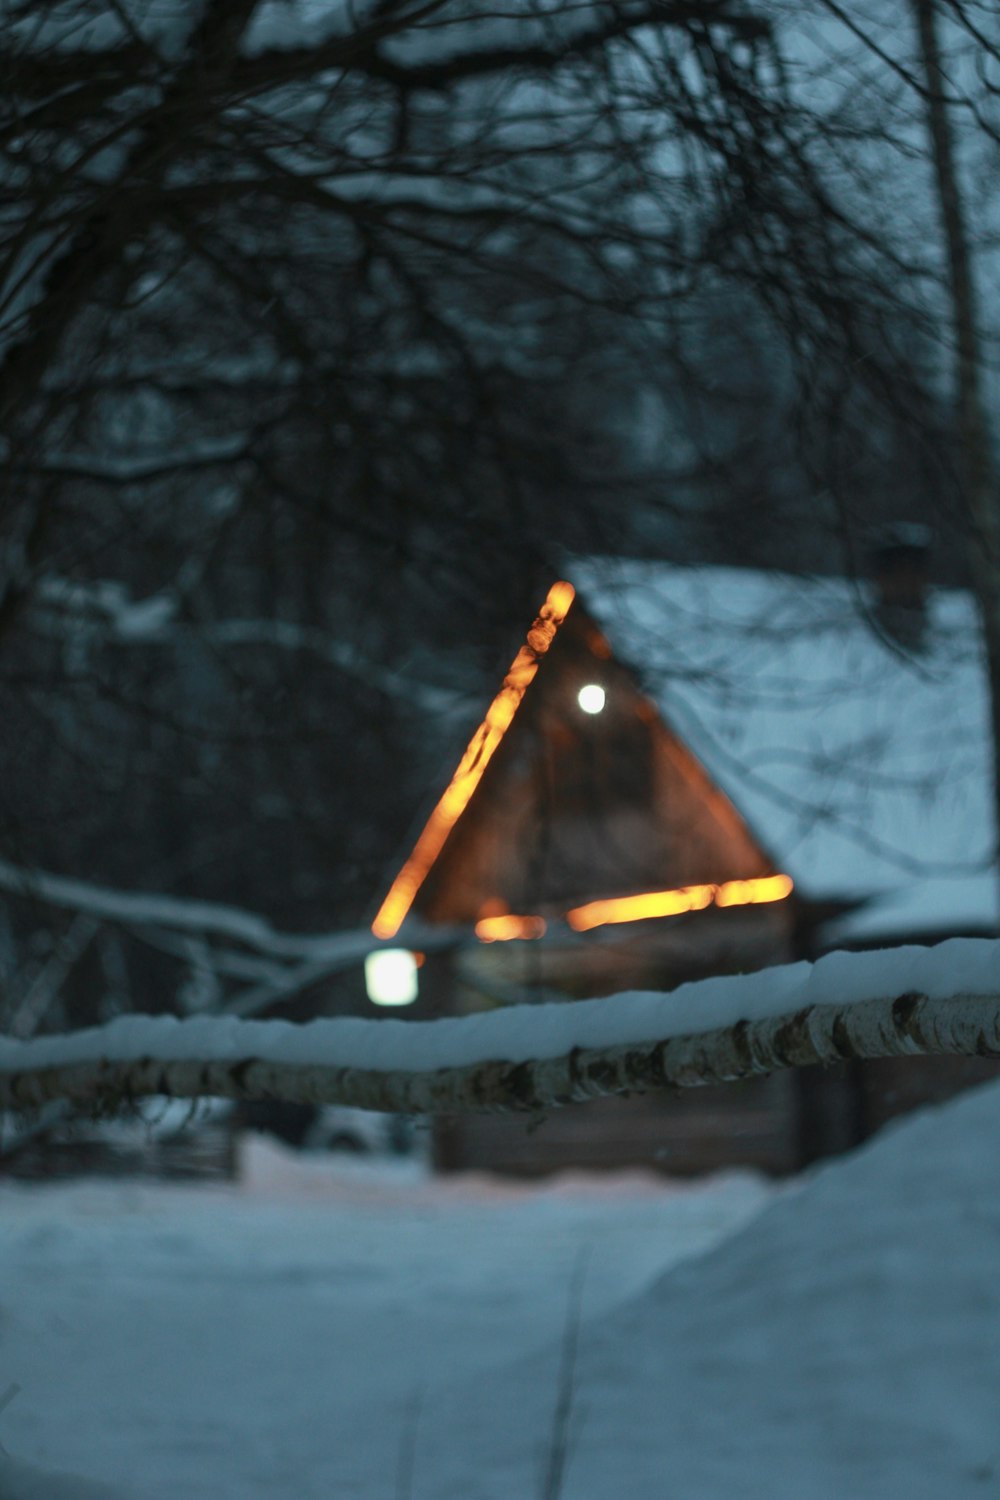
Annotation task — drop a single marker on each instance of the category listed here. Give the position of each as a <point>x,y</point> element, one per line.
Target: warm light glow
<point>750,892</point>
<point>391,977</point>
<point>477,757</point>
<point>685,898</point>
<point>502,928</point>
<point>638,908</point>
<point>599,644</point>
<point>591,698</point>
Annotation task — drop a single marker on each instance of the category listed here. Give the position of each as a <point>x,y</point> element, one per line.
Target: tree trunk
<point>977,473</point>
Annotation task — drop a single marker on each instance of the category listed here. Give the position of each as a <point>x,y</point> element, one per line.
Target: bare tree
<point>920,130</point>
<point>302,319</point>
<point>285,311</point>
<point>977,467</point>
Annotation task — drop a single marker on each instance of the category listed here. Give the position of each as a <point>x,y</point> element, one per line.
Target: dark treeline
<point>325,343</point>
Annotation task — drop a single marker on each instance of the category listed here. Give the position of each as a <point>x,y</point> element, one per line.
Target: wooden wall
<point>699,1130</point>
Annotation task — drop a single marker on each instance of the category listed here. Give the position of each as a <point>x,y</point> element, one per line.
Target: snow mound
<point>846,1343</point>
<point>23,1482</point>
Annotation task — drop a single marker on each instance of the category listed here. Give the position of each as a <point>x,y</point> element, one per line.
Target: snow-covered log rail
<point>907,1025</point>
<point>846,1006</point>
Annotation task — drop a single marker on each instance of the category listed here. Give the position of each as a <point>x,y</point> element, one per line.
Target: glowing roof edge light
<point>478,754</point>
<point>685,898</point>
<point>503,928</point>
<point>650,904</point>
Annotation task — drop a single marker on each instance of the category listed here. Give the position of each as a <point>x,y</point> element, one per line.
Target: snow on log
<point>907,1001</point>
<point>909,1024</point>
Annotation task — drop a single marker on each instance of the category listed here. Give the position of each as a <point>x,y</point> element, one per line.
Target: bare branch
<point>131,908</point>
<point>272,68</point>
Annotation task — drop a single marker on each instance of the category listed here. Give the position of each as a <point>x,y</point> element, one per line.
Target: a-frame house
<point>589,851</point>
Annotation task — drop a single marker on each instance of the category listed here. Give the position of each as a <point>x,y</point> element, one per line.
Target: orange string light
<point>501,929</point>
<point>478,754</point>
<point>641,908</point>
<point>752,892</point>
<point>684,898</point>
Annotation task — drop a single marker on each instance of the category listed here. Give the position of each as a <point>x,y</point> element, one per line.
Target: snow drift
<point>22,1482</point>
<point>846,1343</point>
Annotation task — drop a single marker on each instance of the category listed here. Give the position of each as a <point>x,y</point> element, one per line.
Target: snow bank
<point>841,1346</point>
<point>21,1482</point>
<point>267,1341</point>
<point>845,1344</point>
<point>969,966</point>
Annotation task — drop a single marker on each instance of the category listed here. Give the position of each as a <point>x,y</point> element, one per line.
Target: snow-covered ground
<point>328,1330</point>
<point>269,1341</point>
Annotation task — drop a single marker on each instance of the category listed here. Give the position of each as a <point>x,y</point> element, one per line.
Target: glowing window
<point>591,698</point>
<point>391,977</point>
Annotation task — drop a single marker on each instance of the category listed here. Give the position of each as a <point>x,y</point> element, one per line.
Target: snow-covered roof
<point>864,769</point>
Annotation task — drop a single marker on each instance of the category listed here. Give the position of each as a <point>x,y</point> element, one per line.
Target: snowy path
<point>835,1340</point>
<point>269,1342</point>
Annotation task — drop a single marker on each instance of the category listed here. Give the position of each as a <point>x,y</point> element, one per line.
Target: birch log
<point>907,1025</point>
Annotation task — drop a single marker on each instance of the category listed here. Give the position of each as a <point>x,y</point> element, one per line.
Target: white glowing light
<point>391,977</point>
<point>591,698</point>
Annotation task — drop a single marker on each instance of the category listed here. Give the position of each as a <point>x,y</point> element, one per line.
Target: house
<point>703,770</point>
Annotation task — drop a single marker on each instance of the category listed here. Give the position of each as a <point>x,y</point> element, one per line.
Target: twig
<point>406,1453</point>
<point>562,1416</point>
<point>45,988</point>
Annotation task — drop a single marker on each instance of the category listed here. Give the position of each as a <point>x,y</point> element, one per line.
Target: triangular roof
<point>591,820</point>
<point>866,769</point>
